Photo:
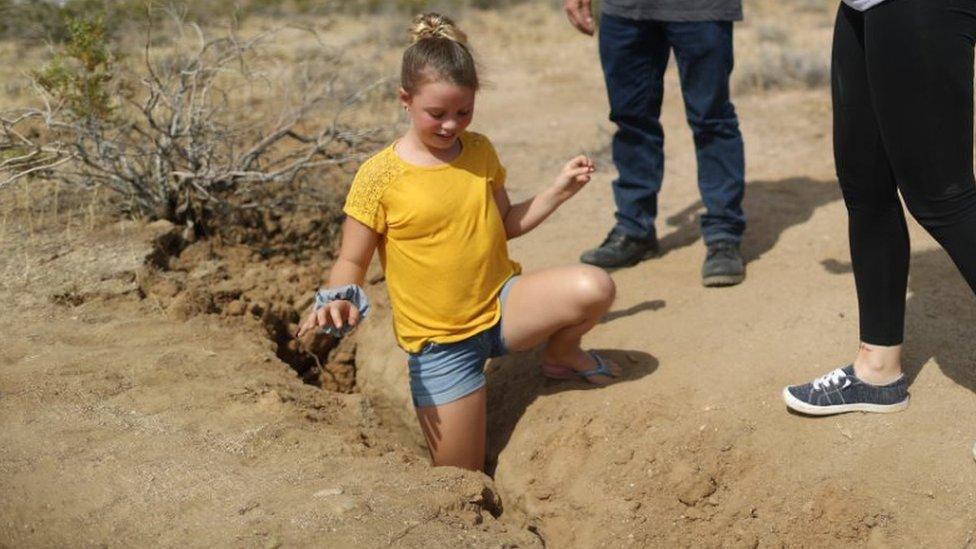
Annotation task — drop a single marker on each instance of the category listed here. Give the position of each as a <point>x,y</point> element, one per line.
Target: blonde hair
<point>438,52</point>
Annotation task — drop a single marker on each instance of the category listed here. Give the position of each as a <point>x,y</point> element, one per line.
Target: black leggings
<point>902,87</point>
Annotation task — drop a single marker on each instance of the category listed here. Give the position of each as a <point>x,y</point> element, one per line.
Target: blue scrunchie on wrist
<point>349,292</point>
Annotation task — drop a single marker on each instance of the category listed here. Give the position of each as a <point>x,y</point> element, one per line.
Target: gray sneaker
<point>723,265</point>
<point>841,391</point>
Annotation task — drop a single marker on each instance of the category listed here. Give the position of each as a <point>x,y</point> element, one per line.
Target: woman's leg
<point>557,306</point>
<point>878,239</point>
<point>876,224</point>
<point>456,431</point>
<point>920,60</point>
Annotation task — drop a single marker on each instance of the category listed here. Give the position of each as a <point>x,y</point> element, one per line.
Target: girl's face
<point>439,112</point>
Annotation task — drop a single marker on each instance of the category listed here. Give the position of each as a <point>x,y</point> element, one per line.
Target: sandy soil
<point>138,406</point>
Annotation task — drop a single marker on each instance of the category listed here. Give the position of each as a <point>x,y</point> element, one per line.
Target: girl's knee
<point>594,287</point>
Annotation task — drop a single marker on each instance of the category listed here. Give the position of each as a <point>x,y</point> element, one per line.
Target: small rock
<point>270,399</point>
<point>340,505</point>
<point>693,490</point>
<point>327,492</point>
<point>235,308</point>
<point>165,288</point>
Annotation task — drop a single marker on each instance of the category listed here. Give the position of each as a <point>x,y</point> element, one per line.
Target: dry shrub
<point>179,137</point>
<point>783,68</point>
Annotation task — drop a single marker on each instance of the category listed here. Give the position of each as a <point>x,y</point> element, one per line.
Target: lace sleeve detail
<point>364,202</point>
<point>495,172</point>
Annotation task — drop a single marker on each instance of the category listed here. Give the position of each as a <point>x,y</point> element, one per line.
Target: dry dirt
<point>144,399</point>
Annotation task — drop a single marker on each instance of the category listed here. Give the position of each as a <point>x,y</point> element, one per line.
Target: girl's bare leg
<point>456,431</point>
<point>557,306</point>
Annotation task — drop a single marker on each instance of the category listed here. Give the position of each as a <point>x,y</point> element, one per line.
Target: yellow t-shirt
<point>443,245</point>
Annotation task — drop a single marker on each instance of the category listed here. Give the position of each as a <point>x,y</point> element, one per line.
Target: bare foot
<point>569,367</point>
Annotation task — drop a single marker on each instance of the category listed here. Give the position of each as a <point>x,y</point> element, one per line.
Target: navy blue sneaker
<point>841,391</point>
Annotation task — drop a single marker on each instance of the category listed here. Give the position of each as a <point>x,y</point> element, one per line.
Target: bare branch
<point>32,170</point>
<point>179,146</point>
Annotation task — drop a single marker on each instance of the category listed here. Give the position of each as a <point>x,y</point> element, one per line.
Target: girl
<point>433,203</point>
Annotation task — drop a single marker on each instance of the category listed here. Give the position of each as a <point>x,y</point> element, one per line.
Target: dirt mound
<point>125,423</point>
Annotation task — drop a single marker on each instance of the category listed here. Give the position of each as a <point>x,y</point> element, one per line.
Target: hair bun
<point>435,25</point>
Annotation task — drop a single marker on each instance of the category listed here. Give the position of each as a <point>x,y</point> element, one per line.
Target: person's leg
<point>456,431</point>
<point>703,51</point>
<point>876,223</point>
<point>920,63</point>
<point>878,240</point>
<point>557,306</point>
<point>447,384</point>
<point>634,56</point>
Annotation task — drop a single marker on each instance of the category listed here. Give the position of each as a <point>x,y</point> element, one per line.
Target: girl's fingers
<point>322,318</point>
<point>580,163</point>
<point>336,314</point>
<point>330,315</point>
<point>578,172</point>
<point>306,325</point>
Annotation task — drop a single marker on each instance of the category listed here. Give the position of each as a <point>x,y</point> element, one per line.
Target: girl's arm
<point>523,217</point>
<point>358,244</point>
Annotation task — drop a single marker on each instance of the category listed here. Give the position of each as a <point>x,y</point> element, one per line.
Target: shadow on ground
<point>514,382</point>
<point>651,305</point>
<point>771,208</point>
<point>940,313</point>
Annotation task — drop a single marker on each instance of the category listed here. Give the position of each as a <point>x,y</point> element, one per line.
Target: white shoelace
<point>829,380</point>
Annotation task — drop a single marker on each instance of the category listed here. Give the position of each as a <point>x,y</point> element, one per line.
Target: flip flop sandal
<point>554,371</point>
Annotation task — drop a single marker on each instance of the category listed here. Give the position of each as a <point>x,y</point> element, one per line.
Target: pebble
<point>340,505</point>
<point>328,492</point>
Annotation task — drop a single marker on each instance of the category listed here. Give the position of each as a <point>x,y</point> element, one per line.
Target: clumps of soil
<point>298,234</point>
<point>264,284</point>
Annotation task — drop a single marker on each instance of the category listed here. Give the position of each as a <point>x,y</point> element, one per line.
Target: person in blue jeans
<point>636,38</point>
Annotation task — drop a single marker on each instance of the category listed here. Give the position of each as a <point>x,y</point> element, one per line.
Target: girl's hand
<point>339,313</point>
<point>574,175</point>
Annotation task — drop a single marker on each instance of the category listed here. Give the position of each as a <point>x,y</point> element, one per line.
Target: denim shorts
<point>444,372</point>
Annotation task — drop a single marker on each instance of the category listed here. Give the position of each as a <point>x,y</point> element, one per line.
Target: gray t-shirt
<point>675,10</point>
<point>861,5</point>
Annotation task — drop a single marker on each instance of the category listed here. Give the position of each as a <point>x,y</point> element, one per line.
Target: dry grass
<point>783,44</point>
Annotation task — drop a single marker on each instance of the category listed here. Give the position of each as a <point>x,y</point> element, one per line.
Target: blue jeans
<point>634,55</point>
